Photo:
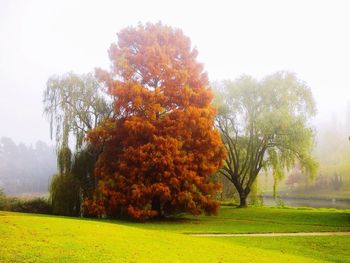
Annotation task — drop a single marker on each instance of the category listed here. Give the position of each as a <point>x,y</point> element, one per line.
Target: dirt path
<point>275,234</point>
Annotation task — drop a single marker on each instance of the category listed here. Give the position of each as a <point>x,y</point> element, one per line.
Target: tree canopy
<point>161,147</point>
<point>264,125</point>
<point>74,104</point>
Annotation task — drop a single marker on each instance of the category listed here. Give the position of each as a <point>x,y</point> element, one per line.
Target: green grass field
<point>38,238</point>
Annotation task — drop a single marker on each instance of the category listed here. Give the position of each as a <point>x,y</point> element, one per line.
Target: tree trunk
<point>156,206</point>
<point>242,199</point>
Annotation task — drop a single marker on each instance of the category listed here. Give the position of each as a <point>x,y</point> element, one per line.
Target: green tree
<point>74,181</point>
<point>64,188</point>
<point>74,104</point>
<point>264,125</point>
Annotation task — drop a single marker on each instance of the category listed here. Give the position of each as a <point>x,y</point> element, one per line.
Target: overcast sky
<point>41,38</point>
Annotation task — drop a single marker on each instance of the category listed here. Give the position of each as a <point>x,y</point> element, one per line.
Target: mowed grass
<point>257,220</point>
<point>328,248</point>
<point>35,238</point>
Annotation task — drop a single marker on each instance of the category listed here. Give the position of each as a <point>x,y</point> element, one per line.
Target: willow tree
<point>64,187</point>
<point>264,125</point>
<point>74,105</point>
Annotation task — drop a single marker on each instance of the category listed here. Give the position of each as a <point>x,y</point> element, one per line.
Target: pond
<point>316,203</point>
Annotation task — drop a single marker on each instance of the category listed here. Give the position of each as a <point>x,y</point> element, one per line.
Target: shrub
<point>36,205</point>
<point>3,200</point>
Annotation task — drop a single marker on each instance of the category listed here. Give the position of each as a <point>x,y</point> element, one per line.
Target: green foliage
<point>74,104</point>
<point>64,160</point>
<point>265,125</point>
<point>3,200</point>
<point>65,195</point>
<point>32,205</point>
<point>64,188</point>
<point>74,182</point>
<point>83,170</point>
<point>255,196</point>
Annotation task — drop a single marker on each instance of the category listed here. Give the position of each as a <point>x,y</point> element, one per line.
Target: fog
<point>41,38</point>
<point>26,170</point>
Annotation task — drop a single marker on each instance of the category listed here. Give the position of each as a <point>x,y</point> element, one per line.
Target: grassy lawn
<point>36,238</point>
<point>257,220</point>
<point>329,248</point>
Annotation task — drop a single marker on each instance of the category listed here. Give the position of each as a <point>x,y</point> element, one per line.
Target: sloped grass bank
<point>35,238</point>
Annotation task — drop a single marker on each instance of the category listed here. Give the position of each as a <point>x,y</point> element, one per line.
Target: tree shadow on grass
<point>179,219</point>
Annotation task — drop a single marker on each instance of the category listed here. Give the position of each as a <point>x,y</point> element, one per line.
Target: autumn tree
<point>160,148</point>
<point>264,125</point>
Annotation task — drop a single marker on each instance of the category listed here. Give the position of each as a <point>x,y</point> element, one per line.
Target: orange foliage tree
<point>160,149</point>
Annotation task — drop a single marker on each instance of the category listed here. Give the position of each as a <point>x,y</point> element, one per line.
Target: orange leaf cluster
<point>160,149</point>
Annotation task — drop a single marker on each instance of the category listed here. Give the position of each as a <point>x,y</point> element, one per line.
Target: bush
<point>3,200</point>
<point>36,205</point>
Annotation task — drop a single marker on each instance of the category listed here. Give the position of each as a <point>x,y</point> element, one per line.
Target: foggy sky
<point>41,38</point>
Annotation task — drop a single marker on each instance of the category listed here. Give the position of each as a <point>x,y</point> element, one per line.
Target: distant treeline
<point>25,169</point>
